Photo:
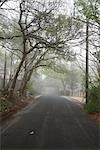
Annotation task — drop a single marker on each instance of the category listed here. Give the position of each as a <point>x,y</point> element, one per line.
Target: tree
<point>88,11</point>
<point>37,37</point>
<point>66,74</point>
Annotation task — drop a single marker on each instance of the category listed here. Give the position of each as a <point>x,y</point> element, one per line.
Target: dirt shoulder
<point>80,99</point>
<point>94,116</point>
<point>14,108</point>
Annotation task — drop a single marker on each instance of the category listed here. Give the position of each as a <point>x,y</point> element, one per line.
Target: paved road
<point>51,123</point>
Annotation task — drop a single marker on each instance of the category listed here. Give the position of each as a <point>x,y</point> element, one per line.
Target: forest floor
<point>8,109</point>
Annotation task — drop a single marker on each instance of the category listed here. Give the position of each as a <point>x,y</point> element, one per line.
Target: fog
<point>59,84</point>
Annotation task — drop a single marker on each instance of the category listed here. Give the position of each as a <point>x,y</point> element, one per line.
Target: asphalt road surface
<point>51,123</point>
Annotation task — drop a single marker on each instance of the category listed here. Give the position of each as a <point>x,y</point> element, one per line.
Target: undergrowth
<point>93,104</point>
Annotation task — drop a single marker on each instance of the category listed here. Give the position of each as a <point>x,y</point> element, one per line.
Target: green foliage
<point>93,104</point>
<point>85,7</point>
<point>31,89</point>
<point>90,9</point>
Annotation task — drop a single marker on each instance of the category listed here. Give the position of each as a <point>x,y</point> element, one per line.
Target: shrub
<point>93,104</point>
<point>4,104</point>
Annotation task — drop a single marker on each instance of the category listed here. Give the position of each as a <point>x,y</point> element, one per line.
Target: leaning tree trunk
<point>23,83</point>
<point>10,76</point>
<point>13,84</point>
<point>25,80</point>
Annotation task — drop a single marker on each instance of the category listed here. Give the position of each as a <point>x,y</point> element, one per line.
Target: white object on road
<point>32,132</point>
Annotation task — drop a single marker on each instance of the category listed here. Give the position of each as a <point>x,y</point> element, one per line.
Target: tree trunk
<point>25,80</point>
<point>87,61</point>
<point>13,84</point>
<point>64,86</point>
<point>5,68</point>
<point>23,83</point>
<point>10,76</point>
<point>11,64</point>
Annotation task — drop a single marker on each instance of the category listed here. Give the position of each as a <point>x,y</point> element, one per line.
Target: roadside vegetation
<point>5,105</point>
<point>93,104</point>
